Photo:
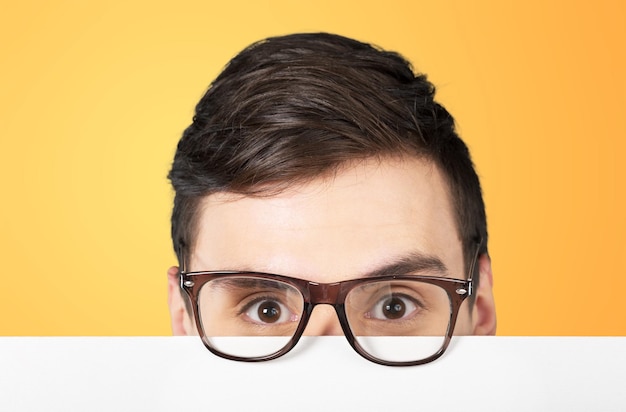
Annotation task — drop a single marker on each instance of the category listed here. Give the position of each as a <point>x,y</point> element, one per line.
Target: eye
<point>269,311</point>
<point>393,307</point>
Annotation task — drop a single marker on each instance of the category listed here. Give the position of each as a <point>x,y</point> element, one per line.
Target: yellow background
<point>94,96</point>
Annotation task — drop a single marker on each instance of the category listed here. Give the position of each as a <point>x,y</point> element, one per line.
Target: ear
<point>484,310</point>
<point>181,323</point>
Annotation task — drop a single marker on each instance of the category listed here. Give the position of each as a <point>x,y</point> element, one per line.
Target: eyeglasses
<point>398,320</point>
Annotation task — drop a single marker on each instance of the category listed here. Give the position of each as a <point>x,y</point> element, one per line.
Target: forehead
<point>333,228</point>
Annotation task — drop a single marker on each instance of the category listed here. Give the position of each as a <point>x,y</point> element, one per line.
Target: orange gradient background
<point>94,96</point>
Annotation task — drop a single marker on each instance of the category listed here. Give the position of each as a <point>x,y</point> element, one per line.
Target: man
<point>320,190</point>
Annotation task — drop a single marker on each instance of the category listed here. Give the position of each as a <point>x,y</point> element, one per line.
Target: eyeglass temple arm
<point>470,278</point>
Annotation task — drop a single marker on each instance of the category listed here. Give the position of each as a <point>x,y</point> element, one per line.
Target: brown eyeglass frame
<point>333,294</point>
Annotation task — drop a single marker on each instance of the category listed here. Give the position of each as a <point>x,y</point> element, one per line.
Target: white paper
<point>322,373</point>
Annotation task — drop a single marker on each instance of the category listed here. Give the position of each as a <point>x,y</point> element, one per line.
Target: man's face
<point>341,227</point>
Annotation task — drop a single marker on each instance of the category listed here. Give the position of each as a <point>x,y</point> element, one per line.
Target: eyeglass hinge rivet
<point>188,283</point>
<point>461,291</point>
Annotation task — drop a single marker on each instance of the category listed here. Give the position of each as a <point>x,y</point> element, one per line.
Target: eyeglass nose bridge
<point>324,293</point>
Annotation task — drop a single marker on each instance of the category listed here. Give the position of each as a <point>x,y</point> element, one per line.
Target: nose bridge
<point>323,320</point>
<point>326,293</point>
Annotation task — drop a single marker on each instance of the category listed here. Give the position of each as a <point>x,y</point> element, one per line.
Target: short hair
<point>294,108</point>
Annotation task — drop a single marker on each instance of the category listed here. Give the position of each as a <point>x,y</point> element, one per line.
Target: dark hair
<point>290,109</point>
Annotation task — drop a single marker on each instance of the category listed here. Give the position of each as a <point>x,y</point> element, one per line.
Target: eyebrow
<point>413,263</point>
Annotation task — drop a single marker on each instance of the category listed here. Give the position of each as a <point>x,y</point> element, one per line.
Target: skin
<point>368,215</point>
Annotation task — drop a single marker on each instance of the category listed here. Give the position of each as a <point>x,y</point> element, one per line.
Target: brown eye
<point>394,308</point>
<point>269,311</point>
